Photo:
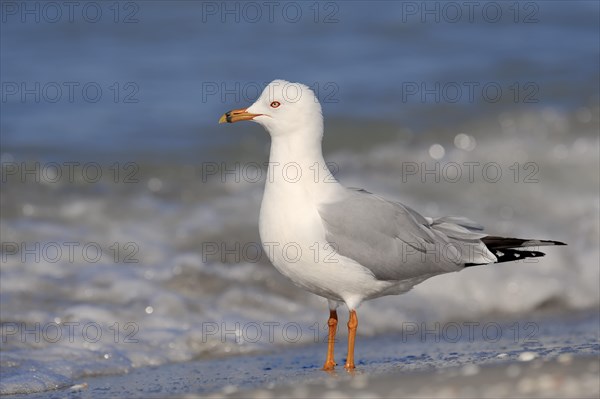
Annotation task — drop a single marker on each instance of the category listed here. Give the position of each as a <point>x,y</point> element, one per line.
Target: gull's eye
<point>275,104</point>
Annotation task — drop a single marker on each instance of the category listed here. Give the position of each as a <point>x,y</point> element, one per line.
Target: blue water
<point>167,70</point>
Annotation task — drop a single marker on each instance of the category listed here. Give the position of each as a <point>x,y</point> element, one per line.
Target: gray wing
<point>395,242</point>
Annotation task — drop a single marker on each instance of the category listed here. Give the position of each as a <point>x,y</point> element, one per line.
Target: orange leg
<point>352,325</point>
<point>332,323</point>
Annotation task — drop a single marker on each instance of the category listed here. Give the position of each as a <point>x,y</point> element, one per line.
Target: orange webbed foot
<point>329,366</point>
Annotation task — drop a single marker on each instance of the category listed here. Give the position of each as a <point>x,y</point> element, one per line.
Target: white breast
<point>293,237</point>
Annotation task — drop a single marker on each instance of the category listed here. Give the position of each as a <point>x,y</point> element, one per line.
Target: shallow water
<point>129,230</point>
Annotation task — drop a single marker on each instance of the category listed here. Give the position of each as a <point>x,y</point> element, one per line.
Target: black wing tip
<point>505,249</point>
<point>496,242</point>
<point>510,255</point>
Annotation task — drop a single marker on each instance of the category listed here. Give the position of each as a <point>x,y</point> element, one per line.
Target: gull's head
<point>283,108</point>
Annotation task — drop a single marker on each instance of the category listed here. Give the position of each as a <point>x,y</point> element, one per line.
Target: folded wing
<point>395,242</point>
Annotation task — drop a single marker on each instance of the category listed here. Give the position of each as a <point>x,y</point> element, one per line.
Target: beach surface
<point>543,356</point>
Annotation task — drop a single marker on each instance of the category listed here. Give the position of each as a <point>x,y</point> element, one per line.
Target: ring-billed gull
<point>347,244</point>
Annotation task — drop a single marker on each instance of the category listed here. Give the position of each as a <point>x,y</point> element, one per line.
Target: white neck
<point>296,165</point>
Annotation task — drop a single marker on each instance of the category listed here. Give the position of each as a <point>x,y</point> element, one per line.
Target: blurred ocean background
<point>129,221</point>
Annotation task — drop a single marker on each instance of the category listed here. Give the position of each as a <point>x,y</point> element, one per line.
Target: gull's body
<point>348,245</point>
<point>298,228</point>
<point>302,252</point>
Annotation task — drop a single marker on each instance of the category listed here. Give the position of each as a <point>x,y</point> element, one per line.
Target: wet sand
<point>560,359</point>
<point>563,377</point>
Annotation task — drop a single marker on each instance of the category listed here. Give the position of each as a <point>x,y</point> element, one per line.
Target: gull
<point>346,244</point>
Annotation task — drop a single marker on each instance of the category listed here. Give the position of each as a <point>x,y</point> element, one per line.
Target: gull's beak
<point>236,115</point>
